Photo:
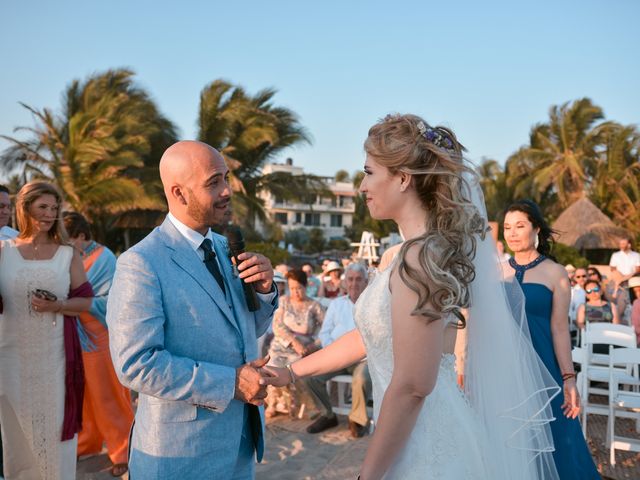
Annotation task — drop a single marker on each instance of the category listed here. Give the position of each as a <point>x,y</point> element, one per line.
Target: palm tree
<point>497,194</point>
<point>249,131</point>
<point>560,154</point>
<point>101,150</point>
<point>342,176</point>
<point>616,178</point>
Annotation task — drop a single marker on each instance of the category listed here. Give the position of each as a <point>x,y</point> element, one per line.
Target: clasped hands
<point>253,378</point>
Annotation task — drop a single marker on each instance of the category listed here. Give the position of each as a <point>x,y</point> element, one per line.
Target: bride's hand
<point>571,405</point>
<point>278,377</point>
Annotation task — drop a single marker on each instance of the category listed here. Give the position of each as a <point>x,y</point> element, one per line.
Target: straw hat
<point>332,266</point>
<point>634,282</point>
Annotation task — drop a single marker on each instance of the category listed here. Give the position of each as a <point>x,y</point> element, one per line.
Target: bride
<point>409,316</point>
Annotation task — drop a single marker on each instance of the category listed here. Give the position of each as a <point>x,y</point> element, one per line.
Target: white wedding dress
<point>448,440</point>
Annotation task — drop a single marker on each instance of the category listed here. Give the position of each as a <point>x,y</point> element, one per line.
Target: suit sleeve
<point>268,305</point>
<point>136,319</point>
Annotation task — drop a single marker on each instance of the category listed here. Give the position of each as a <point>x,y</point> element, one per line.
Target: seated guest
<point>296,324</point>
<point>613,292</point>
<point>596,310</point>
<point>313,282</point>
<point>578,297</point>
<point>332,287</point>
<point>337,322</point>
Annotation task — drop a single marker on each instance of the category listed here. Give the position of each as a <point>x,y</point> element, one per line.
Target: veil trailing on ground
<point>505,380</point>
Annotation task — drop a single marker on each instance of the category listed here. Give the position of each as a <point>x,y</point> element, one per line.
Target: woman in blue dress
<point>547,292</point>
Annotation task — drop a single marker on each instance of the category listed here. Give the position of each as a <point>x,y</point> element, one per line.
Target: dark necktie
<point>211,263</point>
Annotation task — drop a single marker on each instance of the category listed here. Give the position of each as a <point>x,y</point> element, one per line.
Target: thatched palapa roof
<point>583,226</point>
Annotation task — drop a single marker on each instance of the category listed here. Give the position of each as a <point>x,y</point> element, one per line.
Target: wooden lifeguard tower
<point>367,248</point>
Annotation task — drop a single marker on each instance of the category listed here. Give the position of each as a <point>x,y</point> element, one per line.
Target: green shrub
<point>565,254</point>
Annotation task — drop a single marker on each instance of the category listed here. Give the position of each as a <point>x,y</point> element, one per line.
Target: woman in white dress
<point>36,341</point>
<point>408,318</point>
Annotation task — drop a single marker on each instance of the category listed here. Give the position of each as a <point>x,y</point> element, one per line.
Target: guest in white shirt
<point>6,232</point>
<point>625,261</point>
<point>578,297</point>
<point>337,322</point>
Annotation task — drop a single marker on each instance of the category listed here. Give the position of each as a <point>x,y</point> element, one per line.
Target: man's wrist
<point>271,289</point>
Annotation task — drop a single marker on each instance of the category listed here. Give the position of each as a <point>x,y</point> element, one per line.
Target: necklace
<point>34,245</point>
<point>520,269</point>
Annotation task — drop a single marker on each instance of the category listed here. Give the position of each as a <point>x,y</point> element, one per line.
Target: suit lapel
<point>233,283</point>
<point>187,259</point>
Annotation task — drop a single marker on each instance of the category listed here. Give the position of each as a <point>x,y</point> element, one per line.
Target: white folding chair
<point>579,356</point>
<point>344,389</point>
<point>610,330</point>
<point>344,401</point>
<point>596,366</point>
<point>623,370</point>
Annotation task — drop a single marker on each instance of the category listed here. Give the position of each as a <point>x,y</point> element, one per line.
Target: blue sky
<point>489,70</point>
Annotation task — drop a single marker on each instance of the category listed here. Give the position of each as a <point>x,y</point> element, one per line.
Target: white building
<point>329,214</point>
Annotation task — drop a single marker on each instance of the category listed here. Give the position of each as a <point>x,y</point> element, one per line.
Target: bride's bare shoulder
<point>388,256</point>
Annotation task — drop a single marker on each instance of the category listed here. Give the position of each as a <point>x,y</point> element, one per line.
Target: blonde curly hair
<point>433,157</point>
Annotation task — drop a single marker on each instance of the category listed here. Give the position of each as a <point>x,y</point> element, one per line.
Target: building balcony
<point>316,208</point>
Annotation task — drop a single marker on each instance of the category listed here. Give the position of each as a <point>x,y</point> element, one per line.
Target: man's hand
<point>256,268</point>
<point>252,381</point>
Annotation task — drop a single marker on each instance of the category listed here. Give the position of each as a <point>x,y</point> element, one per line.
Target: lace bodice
<point>373,318</point>
<point>447,439</point>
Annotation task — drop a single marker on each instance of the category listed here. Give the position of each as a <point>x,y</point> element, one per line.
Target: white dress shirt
<point>337,321</point>
<point>194,238</point>
<point>625,262</point>
<point>578,297</point>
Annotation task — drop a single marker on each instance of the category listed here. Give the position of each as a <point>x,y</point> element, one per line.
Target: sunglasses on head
<point>591,290</point>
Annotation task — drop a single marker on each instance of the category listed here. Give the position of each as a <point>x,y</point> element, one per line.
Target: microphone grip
<point>251,297</point>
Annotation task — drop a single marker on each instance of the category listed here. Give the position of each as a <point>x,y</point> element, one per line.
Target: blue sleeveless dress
<point>571,456</point>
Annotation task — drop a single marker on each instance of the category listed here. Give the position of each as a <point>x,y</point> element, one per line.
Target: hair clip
<point>434,136</point>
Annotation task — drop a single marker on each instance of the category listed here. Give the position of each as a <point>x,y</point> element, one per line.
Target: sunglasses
<point>591,290</point>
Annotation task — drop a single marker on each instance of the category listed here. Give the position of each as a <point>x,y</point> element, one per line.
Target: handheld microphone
<point>236,247</point>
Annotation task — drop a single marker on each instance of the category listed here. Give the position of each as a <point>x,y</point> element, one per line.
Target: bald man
<point>182,336</point>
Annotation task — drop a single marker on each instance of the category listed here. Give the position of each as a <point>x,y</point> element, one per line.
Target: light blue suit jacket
<point>177,339</point>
